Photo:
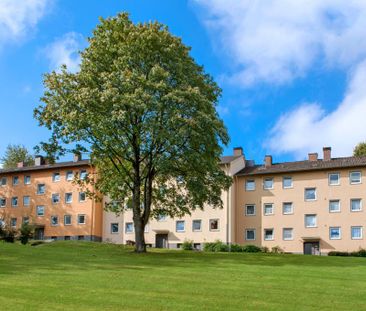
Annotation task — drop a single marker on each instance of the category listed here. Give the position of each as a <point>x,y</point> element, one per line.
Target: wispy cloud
<point>65,50</point>
<point>19,18</point>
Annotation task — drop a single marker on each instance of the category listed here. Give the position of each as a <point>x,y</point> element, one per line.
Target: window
<point>114,227</point>
<point>81,237</point>
<point>335,233</point>
<point>268,209</point>
<point>82,196</point>
<point>41,189</point>
<point>55,198</point>
<point>13,222</point>
<point>268,234</point>
<point>287,234</point>
<point>54,220</point>
<point>180,226</point>
<point>27,180</point>
<point>3,181</point>
<point>333,179</point>
<point>196,225</point>
<point>81,219</point>
<point>334,206</point>
<point>268,183</point>
<point>355,177</point>
<point>356,205</point>
<point>250,185</point>
<point>69,175</point>
<point>15,180</point>
<point>287,208</point>
<point>67,220</point>
<point>250,234</point>
<point>83,174</point>
<point>68,197</point>
<point>2,202</point>
<point>40,210</point>
<point>161,217</point>
<point>14,201</point>
<point>26,220</point>
<point>214,224</point>
<point>26,200</point>
<point>129,227</point>
<point>56,177</point>
<point>310,221</point>
<point>67,238</point>
<point>310,194</point>
<point>356,233</point>
<point>287,182</point>
<point>250,209</point>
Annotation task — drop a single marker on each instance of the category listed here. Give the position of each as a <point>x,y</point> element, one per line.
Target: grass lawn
<point>91,276</point>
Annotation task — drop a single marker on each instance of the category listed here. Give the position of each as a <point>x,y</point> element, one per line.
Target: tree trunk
<point>140,246</point>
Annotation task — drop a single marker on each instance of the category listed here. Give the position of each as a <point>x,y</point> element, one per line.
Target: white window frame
<point>329,179</point>
<point>218,224</point>
<point>176,226</point>
<point>113,224</point>
<point>15,178</point>
<point>339,206</point>
<point>264,183</point>
<point>283,182</point>
<point>26,196</point>
<point>57,222</point>
<point>264,209</point>
<point>12,201</point>
<point>68,202</point>
<point>264,234</point>
<point>67,224</point>
<point>56,177</point>
<point>247,181</point>
<point>83,172</point>
<point>355,211</point>
<point>25,220</point>
<point>38,188</point>
<point>132,230</point>
<point>54,195</point>
<point>200,222</point>
<point>350,178</point>
<point>2,199</point>
<point>25,180</point>
<point>292,234</point>
<point>246,234</point>
<point>246,210</point>
<point>69,173</point>
<point>310,200</point>
<point>162,217</point>
<point>38,207</point>
<point>316,220</point>
<point>339,230</point>
<point>11,222</point>
<point>81,223</point>
<point>80,200</point>
<point>360,238</point>
<point>283,208</point>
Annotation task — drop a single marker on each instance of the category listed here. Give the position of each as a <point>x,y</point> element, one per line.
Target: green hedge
<point>219,246</point>
<point>359,253</point>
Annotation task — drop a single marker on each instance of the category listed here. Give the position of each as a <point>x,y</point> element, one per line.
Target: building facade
<point>312,206</point>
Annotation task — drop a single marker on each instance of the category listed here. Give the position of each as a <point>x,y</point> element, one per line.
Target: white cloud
<point>65,50</point>
<point>275,41</point>
<point>308,128</point>
<point>18,18</point>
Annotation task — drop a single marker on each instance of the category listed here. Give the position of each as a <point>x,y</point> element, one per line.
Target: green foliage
<point>236,248</point>
<point>146,112</point>
<point>251,249</point>
<point>337,253</point>
<point>187,245</point>
<point>360,150</point>
<point>15,154</point>
<point>360,253</point>
<point>265,249</point>
<point>26,233</point>
<point>219,246</point>
<point>277,250</point>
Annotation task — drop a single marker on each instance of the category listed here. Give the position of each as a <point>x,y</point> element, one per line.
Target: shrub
<point>236,248</point>
<point>26,233</point>
<point>251,249</point>
<point>187,245</point>
<point>216,246</point>
<point>362,252</point>
<point>36,243</point>
<point>277,250</point>
<point>336,253</point>
<point>265,249</point>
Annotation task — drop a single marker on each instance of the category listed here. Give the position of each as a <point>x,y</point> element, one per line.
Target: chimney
<point>238,151</point>
<point>77,157</point>
<point>20,164</point>
<point>268,161</point>
<point>313,157</point>
<point>38,160</point>
<point>327,153</point>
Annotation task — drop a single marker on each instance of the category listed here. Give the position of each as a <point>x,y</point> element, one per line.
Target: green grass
<point>91,276</point>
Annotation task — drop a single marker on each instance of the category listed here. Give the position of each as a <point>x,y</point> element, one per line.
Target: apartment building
<point>45,195</point>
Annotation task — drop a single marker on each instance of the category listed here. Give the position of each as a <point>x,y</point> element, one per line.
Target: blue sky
<point>293,73</point>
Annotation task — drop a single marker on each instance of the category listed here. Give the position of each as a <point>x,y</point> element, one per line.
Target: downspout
<point>228,212</point>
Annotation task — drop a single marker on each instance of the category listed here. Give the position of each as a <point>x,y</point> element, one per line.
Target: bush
<point>236,248</point>
<point>216,246</point>
<point>26,233</point>
<point>265,249</point>
<point>277,250</point>
<point>187,245</point>
<point>36,243</point>
<point>360,253</point>
<point>251,249</point>
<point>8,234</point>
<point>336,253</point>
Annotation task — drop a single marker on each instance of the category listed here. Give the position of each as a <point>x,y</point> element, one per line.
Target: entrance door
<point>311,248</point>
<point>161,241</point>
<point>39,233</point>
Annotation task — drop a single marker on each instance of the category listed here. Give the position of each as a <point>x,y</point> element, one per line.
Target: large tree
<point>360,150</point>
<point>147,114</point>
<point>15,154</point>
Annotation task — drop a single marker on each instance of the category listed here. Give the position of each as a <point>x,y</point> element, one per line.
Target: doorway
<point>161,241</point>
<point>39,234</point>
<point>311,248</point>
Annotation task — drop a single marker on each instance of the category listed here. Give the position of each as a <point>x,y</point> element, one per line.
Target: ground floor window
<point>356,232</point>
<point>81,219</point>
<point>129,227</point>
<point>268,234</point>
<point>214,224</point>
<point>114,228</point>
<point>334,233</point>
<point>250,234</point>
<point>180,225</point>
<point>13,222</point>
<point>288,234</point>
<point>54,220</point>
<point>196,225</point>
<point>67,220</point>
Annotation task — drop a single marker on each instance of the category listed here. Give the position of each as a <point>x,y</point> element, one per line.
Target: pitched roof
<point>45,166</point>
<point>300,166</point>
<point>228,159</point>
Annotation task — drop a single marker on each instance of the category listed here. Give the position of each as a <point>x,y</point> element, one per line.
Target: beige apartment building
<point>312,206</point>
